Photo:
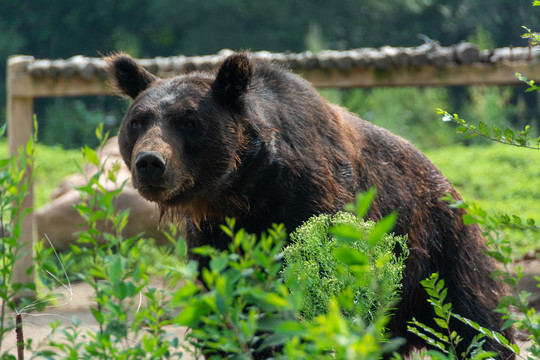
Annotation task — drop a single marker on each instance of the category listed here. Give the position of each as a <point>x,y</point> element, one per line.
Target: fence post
<point>20,112</point>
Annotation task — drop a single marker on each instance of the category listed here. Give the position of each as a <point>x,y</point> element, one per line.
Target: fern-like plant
<point>314,261</point>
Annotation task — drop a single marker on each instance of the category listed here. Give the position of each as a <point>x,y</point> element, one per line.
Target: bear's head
<point>182,137</point>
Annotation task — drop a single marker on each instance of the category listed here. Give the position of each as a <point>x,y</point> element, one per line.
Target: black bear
<point>256,142</point>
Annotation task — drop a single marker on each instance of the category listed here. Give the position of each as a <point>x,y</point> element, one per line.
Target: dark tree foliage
<point>64,28</point>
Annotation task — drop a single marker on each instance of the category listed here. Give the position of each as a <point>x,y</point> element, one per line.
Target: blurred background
<point>65,28</point>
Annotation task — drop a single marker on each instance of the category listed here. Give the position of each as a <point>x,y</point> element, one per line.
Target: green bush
<point>311,262</point>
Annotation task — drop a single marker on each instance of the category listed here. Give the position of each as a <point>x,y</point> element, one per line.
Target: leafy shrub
<point>310,260</point>
<point>241,308</point>
<point>14,185</point>
<point>446,342</point>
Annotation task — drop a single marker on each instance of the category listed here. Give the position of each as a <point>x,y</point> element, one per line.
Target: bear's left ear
<point>128,76</point>
<point>232,80</point>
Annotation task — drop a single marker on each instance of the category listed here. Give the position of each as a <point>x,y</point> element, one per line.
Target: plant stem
<point>4,274</point>
<point>20,336</point>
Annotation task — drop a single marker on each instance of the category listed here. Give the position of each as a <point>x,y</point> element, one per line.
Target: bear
<point>255,142</point>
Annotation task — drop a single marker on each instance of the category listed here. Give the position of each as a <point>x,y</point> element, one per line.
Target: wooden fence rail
<point>425,65</point>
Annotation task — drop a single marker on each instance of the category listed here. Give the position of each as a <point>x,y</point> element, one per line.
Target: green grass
<point>53,163</point>
<point>503,179</point>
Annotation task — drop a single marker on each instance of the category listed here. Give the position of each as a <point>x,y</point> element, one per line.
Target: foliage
<point>484,174</point>
<point>499,245</point>
<point>169,28</point>
<point>51,165</point>
<point>507,137</point>
<point>501,248</point>
<point>14,185</point>
<point>118,276</point>
<point>448,340</point>
<point>241,308</point>
<point>310,260</point>
<point>402,110</point>
<point>71,122</point>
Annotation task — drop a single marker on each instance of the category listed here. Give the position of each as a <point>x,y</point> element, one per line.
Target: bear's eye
<point>135,125</point>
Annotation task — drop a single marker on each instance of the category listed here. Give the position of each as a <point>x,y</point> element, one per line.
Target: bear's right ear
<point>128,76</point>
<point>232,80</point>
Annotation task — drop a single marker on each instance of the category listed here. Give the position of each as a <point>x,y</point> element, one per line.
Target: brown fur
<point>259,144</point>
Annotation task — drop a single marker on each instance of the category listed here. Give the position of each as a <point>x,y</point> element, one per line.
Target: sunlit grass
<point>53,163</point>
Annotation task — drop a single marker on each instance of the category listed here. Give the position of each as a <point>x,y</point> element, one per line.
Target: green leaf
<point>364,201</point>
<point>290,328</point>
<point>346,234</point>
<point>497,134</point>
<point>384,226</point>
<point>185,292</point>
<point>191,315</point>
<point>461,129</point>
<point>98,315</point>
<point>275,300</point>
<point>4,162</point>
<point>274,340</point>
<point>441,323</point>
<point>90,155</point>
<point>483,129</point>
<point>508,134</point>
<point>99,132</point>
<point>115,270</point>
<point>350,256</point>
<point>218,264</point>
<point>220,304</point>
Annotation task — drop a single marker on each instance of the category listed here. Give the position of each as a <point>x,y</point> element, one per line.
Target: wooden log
<point>440,57</point>
<point>87,70</point>
<point>397,58</point>
<point>521,54</point>
<point>177,64</point>
<point>39,68</point>
<point>326,59</point>
<point>466,53</point>
<point>429,75</point>
<point>164,65</point>
<point>100,67</point>
<point>344,61</point>
<point>361,57</point>
<point>149,64</point>
<point>380,59</point>
<point>401,58</point>
<point>501,55</point>
<point>20,112</point>
<point>55,68</point>
<point>309,60</point>
<point>485,55</point>
<point>202,63</point>
<point>418,55</point>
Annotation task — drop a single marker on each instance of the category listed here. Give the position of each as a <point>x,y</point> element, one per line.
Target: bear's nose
<point>150,164</point>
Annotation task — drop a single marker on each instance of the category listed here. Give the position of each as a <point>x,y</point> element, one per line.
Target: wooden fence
<point>425,65</point>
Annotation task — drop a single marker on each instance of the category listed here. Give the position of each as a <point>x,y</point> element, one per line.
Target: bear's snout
<point>150,164</point>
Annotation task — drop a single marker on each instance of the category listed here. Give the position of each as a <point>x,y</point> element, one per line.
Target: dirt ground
<point>36,325</point>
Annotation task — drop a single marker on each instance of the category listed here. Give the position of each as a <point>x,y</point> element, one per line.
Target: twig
<point>20,337</point>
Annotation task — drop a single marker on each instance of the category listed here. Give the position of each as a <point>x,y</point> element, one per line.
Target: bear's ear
<point>128,76</point>
<point>232,80</point>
